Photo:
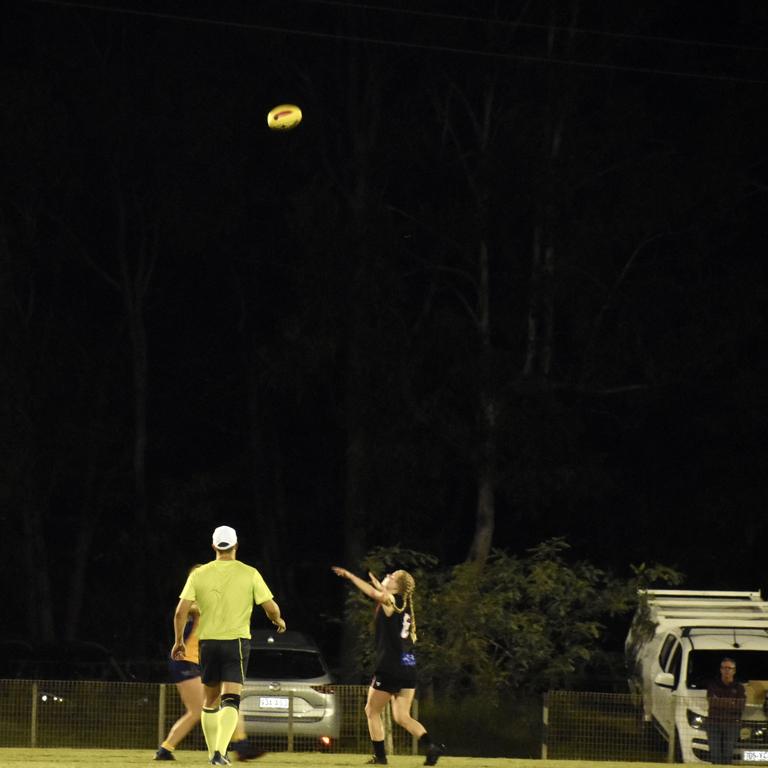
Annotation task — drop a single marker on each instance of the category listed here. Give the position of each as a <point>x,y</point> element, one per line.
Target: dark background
<point>512,261</point>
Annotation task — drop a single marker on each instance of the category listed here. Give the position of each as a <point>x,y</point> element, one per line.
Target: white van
<point>674,648</point>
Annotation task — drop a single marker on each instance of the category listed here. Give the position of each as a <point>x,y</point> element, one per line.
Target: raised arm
<point>375,590</point>
<point>376,583</point>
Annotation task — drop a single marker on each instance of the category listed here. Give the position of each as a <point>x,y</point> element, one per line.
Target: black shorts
<point>183,670</point>
<point>390,683</point>
<point>224,661</point>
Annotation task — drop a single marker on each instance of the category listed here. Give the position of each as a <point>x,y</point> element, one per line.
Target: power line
<point>532,25</point>
<point>402,44</point>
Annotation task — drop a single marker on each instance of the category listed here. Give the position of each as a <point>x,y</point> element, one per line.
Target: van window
<point>674,665</point>
<point>666,648</point>
<point>704,666</point>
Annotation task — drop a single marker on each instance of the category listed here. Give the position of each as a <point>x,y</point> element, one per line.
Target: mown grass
<point>117,758</point>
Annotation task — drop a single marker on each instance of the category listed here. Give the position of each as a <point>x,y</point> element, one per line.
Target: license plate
<point>755,756</point>
<point>273,702</point>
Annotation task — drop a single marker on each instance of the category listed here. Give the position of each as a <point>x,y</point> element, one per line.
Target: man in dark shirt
<point>726,703</point>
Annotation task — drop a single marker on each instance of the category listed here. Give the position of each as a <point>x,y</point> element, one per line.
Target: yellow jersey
<point>225,592</point>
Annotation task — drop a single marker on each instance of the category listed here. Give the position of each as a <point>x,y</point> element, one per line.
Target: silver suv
<point>289,691</point>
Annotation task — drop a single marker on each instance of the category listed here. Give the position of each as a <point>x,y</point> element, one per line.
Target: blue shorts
<point>182,670</point>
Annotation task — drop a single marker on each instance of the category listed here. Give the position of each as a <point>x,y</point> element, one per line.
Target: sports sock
<point>209,720</point>
<point>229,717</point>
<point>424,740</point>
<point>378,750</point>
<point>166,745</point>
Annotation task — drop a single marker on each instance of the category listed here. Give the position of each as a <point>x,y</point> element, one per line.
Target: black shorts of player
<point>224,661</point>
<point>183,670</point>
<point>391,683</point>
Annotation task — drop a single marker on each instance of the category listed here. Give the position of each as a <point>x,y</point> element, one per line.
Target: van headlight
<point>695,720</point>
<point>754,732</point>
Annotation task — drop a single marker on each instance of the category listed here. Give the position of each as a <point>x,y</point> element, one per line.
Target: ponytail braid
<point>407,586</point>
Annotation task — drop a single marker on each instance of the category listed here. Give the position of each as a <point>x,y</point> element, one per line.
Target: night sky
<point>512,246</point>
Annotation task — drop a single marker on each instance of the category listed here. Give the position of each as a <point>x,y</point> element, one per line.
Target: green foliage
<point>476,725</point>
<point>525,623</point>
<point>643,627</point>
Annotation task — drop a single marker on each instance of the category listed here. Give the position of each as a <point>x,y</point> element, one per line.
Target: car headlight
<point>695,720</point>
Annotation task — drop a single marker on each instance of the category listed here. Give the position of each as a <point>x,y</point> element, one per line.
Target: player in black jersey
<point>394,677</point>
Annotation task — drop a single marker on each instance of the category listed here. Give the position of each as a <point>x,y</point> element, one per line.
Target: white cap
<point>224,537</point>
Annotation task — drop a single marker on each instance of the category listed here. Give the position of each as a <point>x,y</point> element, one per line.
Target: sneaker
<point>377,761</point>
<point>219,759</point>
<point>164,754</point>
<point>433,753</point>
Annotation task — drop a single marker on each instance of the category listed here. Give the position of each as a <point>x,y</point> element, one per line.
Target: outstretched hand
<point>342,572</point>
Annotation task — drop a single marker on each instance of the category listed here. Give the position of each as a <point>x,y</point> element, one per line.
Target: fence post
<point>161,710</point>
<point>544,725</point>
<point>290,720</point>
<point>388,743</point>
<point>414,740</point>
<point>33,724</point>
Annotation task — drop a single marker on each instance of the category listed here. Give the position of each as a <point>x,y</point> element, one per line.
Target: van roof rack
<point>689,631</point>
<point>688,606</point>
<point>691,608</point>
<point>703,594</point>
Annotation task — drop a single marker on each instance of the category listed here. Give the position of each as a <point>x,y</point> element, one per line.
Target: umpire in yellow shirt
<point>225,590</point>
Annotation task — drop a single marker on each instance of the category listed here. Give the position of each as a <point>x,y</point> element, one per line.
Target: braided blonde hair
<point>406,586</point>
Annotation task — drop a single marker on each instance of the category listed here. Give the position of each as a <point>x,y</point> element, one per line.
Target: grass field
<point>116,758</point>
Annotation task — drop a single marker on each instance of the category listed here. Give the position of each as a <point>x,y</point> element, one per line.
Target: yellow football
<point>284,117</point>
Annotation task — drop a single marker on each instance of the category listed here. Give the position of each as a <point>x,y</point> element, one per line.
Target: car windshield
<point>704,666</point>
<point>284,664</point>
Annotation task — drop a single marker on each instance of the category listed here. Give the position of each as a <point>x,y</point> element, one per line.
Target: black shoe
<point>377,761</point>
<point>218,759</point>
<point>164,754</point>
<point>433,753</point>
<point>245,751</point>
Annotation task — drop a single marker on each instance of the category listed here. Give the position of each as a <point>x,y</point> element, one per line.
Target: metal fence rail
<point>669,728</point>
<point>598,726</point>
<point>109,715</point>
<point>576,725</point>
